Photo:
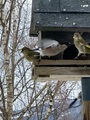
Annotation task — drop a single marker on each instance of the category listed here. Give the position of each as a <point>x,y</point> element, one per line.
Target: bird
<point>82,46</point>
<point>29,54</point>
<point>50,47</point>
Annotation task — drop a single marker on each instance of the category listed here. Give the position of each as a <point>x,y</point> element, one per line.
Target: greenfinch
<point>29,54</point>
<point>82,46</point>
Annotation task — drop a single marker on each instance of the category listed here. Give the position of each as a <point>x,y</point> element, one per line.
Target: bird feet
<point>81,57</point>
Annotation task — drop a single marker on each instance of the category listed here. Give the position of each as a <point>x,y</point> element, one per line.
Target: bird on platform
<point>49,47</point>
<point>29,54</point>
<point>82,46</point>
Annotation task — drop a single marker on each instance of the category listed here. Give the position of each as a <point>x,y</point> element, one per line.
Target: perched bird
<point>50,47</point>
<point>29,54</point>
<point>82,46</point>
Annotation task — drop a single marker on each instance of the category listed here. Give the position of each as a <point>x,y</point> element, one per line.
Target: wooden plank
<point>85,82</point>
<point>62,71</point>
<point>62,62</point>
<point>60,78</point>
<point>86,110</point>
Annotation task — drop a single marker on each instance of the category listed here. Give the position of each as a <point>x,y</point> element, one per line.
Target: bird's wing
<point>88,46</point>
<point>82,41</point>
<point>62,47</point>
<point>32,53</point>
<point>45,43</point>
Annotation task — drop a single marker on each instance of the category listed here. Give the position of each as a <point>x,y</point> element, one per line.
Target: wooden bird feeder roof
<point>60,15</point>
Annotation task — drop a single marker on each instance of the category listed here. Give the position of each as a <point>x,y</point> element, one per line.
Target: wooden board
<point>62,70</point>
<point>62,62</point>
<point>60,78</point>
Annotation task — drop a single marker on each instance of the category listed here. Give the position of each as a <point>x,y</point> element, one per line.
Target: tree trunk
<point>8,74</point>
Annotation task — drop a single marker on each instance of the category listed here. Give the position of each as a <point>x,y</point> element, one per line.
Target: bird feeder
<point>59,20</point>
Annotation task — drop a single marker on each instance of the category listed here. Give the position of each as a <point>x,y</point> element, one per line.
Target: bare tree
<point>12,33</point>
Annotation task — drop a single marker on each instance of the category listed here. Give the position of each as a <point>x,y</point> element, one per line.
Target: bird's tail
<point>88,49</point>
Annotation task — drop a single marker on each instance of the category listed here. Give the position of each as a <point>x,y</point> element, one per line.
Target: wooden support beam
<point>86,98</point>
<point>61,73</point>
<point>86,110</point>
<point>62,70</point>
<point>62,62</point>
<point>60,78</point>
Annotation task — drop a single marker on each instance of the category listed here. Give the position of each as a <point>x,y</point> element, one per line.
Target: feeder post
<point>86,97</point>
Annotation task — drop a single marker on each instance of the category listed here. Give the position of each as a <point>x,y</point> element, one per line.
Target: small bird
<point>82,46</point>
<point>29,54</point>
<point>50,47</point>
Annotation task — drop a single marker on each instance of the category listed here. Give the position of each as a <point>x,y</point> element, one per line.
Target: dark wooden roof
<point>60,15</point>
